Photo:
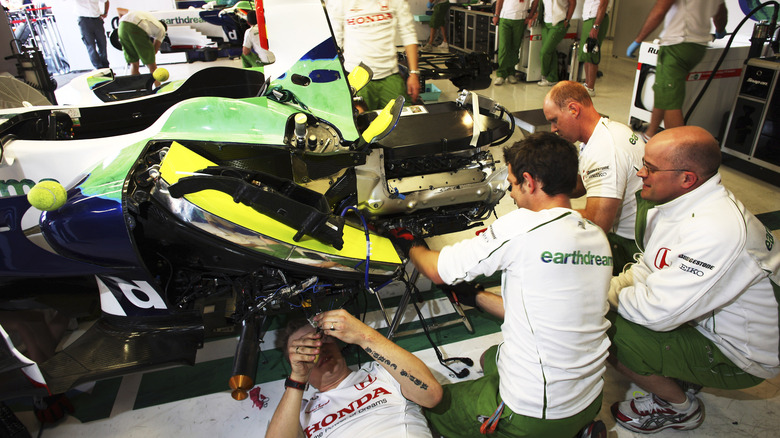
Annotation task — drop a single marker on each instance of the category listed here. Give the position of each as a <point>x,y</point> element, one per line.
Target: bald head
<point>690,147</point>
<point>566,91</point>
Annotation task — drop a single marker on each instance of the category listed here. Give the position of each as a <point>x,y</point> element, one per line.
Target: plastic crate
<point>431,93</point>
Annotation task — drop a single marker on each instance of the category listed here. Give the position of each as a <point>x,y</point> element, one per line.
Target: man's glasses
<point>652,169</point>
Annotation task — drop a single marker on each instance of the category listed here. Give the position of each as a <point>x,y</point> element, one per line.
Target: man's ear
<point>689,179</point>
<point>530,182</point>
<point>573,108</point>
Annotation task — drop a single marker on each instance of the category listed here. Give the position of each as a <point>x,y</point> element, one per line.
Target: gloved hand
<point>404,240</point>
<point>463,293</point>
<point>52,408</point>
<point>720,34</point>
<point>631,51</point>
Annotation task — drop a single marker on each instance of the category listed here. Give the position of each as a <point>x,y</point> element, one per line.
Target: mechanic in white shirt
<point>546,378</point>
<point>253,53</point>
<point>90,19</point>
<point>366,30</point>
<point>610,154</point>
<point>700,306</point>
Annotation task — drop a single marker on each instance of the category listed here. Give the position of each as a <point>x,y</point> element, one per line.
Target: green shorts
<point>439,17</point>
<point>463,404</point>
<point>586,27</point>
<point>623,251</point>
<point>377,93</point>
<point>682,353</point>
<point>671,71</point>
<point>136,44</point>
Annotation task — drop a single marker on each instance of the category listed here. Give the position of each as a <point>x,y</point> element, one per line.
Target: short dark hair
<point>251,18</point>
<point>548,158</point>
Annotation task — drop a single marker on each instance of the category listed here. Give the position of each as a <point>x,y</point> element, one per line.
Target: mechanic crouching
<point>546,378</point>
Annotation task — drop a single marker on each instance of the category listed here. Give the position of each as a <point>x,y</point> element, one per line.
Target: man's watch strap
<point>290,383</point>
<point>414,72</point>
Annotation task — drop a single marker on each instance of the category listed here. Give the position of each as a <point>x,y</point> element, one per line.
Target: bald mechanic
<point>137,29</point>
<point>610,154</point>
<point>382,399</point>
<point>700,305</point>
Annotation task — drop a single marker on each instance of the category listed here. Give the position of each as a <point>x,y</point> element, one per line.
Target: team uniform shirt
<point>146,21</point>
<point>556,268</point>
<point>252,42</point>
<point>689,21</point>
<point>708,262</point>
<point>514,10</point>
<point>590,9</point>
<point>555,10</point>
<point>367,30</point>
<point>608,166</point>
<point>367,403</point>
<point>90,8</point>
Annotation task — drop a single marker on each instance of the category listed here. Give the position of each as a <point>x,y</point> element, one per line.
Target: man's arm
<point>720,19</point>
<point>427,262</point>
<point>499,6</point>
<point>413,81</point>
<point>654,19</point>
<point>570,11</point>
<point>416,380</point>
<point>601,211</point>
<point>600,13</point>
<point>579,190</point>
<point>491,303</point>
<point>286,423</point>
<point>533,12</point>
<point>105,11</point>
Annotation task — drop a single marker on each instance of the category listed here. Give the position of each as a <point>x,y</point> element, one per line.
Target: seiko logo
<point>691,269</point>
<point>757,82</point>
<point>660,258</point>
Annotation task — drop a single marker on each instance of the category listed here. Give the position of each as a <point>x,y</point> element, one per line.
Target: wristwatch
<point>294,384</point>
<point>596,26</point>
<point>414,72</point>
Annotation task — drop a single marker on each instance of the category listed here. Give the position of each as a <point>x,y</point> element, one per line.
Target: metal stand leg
<point>403,303</point>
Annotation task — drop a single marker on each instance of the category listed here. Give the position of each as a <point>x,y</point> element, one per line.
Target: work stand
<point>411,291</point>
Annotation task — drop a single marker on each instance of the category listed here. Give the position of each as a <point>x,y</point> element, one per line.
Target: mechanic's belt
<point>489,425</point>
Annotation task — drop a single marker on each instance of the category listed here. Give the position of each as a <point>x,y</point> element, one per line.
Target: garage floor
<point>195,401</point>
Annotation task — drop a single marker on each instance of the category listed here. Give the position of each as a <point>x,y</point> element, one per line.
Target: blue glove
<point>429,5</point>
<point>720,34</point>
<point>631,51</point>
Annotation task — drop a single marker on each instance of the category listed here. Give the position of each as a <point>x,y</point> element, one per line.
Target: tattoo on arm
<point>381,359</point>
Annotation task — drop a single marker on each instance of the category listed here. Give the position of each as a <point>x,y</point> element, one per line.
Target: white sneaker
<point>427,48</point>
<point>650,414</point>
<point>443,47</point>
<point>545,83</point>
<point>512,79</point>
<point>591,91</point>
<point>499,81</point>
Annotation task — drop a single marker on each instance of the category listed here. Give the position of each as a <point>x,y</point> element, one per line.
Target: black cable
<point>725,52</point>
<point>466,360</point>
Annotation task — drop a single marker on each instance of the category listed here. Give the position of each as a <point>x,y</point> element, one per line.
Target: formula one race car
<point>207,215</point>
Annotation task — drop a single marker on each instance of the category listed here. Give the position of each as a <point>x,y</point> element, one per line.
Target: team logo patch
<point>660,258</point>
